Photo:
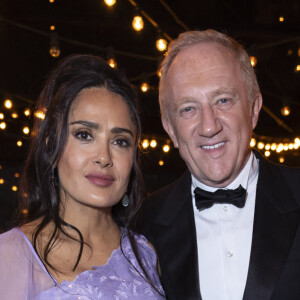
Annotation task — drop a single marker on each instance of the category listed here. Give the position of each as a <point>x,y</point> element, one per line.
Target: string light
<point>27,112</point>
<point>138,23</point>
<point>51,1</point>
<point>14,188</point>
<point>8,104</point>
<point>54,46</point>
<point>166,148</point>
<point>267,146</point>
<point>19,143</point>
<point>145,87</point>
<point>153,143</point>
<point>110,2</point>
<point>161,44</point>
<point>281,19</point>
<point>281,159</point>
<point>145,143</point>
<point>39,114</point>
<point>285,110</point>
<point>14,115</point>
<point>26,130</point>
<point>25,211</point>
<point>17,175</point>
<point>52,27</point>
<point>297,69</point>
<point>253,61</point>
<point>273,146</point>
<point>161,162</point>
<point>1,180</point>
<point>1,116</point>
<point>252,142</point>
<point>2,125</point>
<point>260,145</point>
<point>267,153</point>
<point>279,148</point>
<point>111,59</point>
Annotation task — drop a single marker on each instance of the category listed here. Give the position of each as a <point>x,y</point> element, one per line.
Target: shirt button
<point>229,254</point>
<point>225,208</point>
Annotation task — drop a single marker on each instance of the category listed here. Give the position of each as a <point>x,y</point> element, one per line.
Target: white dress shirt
<point>224,236</point>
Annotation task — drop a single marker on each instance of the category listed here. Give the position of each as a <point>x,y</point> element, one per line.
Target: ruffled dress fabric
<point>24,277</point>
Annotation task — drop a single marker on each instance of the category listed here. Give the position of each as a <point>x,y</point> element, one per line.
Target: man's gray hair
<point>192,38</point>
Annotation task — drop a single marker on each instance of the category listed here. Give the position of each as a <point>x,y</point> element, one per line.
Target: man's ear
<point>255,109</point>
<point>169,129</point>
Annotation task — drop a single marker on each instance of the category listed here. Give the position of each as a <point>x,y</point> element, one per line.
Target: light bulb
<point>285,110</point>
<point>8,104</point>
<point>153,143</point>
<point>145,143</point>
<point>14,115</point>
<point>19,143</point>
<point>2,125</point>
<point>145,87</point>
<point>166,148</point>
<point>27,112</point>
<point>1,116</point>
<point>253,61</point>
<point>161,162</point>
<point>112,62</point>
<point>52,27</point>
<point>281,159</point>
<point>39,114</point>
<point>161,44</point>
<point>26,130</point>
<point>297,69</point>
<point>253,142</point>
<point>54,51</point>
<point>281,19</point>
<point>138,23</point>
<point>110,2</point>
<point>267,153</point>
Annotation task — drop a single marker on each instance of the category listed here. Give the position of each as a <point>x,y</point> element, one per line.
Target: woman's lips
<point>100,180</point>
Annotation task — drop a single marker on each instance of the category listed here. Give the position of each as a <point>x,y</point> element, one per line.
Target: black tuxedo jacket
<point>274,269</point>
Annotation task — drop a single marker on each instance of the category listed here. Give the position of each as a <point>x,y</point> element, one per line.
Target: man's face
<point>207,112</point>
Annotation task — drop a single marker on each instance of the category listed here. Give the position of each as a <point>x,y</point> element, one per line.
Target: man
<point>208,249</point>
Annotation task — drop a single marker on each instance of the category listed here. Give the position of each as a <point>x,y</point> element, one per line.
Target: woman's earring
<point>125,200</point>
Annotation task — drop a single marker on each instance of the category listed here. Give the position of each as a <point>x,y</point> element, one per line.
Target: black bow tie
<point>206,199</point>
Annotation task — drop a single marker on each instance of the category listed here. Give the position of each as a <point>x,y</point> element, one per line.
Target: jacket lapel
<point>175,241</point>
<point>275,223</point>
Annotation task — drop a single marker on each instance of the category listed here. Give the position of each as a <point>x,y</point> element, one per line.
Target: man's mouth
<point>213,146</point>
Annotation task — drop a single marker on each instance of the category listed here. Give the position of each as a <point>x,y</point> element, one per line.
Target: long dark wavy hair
<point>39,191</point>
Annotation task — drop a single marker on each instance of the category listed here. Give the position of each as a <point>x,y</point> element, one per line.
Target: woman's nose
<point>103,156</point>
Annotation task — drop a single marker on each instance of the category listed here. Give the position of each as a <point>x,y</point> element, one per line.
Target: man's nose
<point>102,156</point>
<point>209,124</point>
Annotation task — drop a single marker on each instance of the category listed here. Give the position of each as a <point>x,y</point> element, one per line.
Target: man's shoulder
<point>163,193</point>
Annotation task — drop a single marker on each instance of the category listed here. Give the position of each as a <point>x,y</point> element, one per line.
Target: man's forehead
<point>201,54</point>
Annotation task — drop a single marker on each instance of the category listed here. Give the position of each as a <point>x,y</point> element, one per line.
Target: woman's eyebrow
<point>121,130</point>
<point>89,124</point>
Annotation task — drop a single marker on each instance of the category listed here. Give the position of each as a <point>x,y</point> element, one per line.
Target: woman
<point>80,186</point>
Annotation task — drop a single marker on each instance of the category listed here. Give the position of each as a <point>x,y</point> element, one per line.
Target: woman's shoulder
<point>145,249</point>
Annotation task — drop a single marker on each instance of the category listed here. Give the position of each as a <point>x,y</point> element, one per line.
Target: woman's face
<point>95,166</point>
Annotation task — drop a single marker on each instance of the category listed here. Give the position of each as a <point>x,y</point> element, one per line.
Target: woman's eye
<point>83,135</point>
<point>223,101</point>
<point>121,143</point>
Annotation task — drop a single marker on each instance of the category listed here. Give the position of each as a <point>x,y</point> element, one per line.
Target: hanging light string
<point>76,42</point>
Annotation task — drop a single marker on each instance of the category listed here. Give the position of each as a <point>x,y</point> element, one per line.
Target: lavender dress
<point>24,277</point>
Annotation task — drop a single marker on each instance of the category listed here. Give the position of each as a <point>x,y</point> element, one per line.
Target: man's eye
<point>223,101</point>
<point>83,135</point>
<point>187,109</point>
<point>187,112</point>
